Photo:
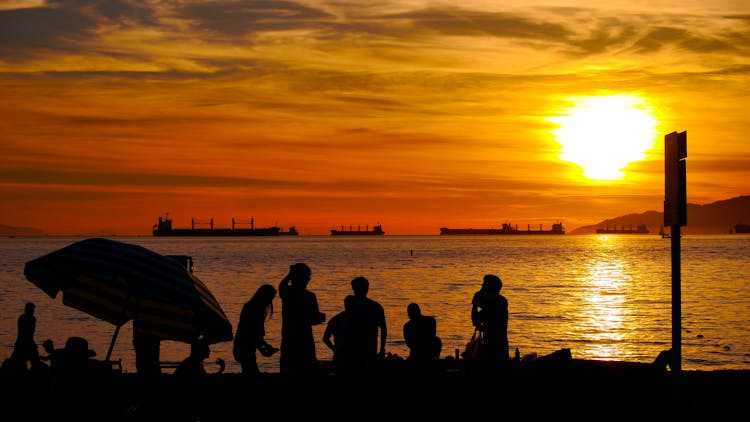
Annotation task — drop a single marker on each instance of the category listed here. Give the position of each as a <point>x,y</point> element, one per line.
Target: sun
<point>603,134</point>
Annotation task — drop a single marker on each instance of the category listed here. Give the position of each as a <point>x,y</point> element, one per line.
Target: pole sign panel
<point>675,192</point>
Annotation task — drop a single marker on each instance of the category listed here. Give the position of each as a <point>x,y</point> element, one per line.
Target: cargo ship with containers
<point>164,228</point>
<point>376,231</point>
<point>507,229</point>
<point>640,229</point>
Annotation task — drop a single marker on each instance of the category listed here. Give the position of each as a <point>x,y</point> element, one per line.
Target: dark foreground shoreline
<point>576,388</point>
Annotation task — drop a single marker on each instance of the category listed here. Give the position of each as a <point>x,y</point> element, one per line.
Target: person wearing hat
<point>82,387</point>
<point>74,363</point>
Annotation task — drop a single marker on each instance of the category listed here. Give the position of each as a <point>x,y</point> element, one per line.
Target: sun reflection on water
<point>604,297</point>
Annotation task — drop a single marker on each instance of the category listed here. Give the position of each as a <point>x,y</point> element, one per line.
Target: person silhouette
<point>82,388</point>
<point>147,348</point>
<point>191,370</point>
<point>24,378</point>
<point>25,349</point>
<point>251,331</point>
<point>420,335</point>
<point>367,318</point>
<point>489,314</point>
<point>339,329</point>
<point>299,313</point>
<point>52,357</point>
<point>192,382</point>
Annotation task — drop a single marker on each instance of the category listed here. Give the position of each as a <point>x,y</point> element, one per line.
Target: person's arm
<point>327,335</point>
<point>316,317</point>
<point>284,284</point>
<point>477,311</point>
<point>260,333</point>
<point>408,338</point>
<point>383,335</point>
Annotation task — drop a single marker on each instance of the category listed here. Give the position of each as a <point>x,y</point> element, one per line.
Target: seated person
<point>192,380</point>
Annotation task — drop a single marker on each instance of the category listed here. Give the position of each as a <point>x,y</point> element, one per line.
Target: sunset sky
<point>410,114</point>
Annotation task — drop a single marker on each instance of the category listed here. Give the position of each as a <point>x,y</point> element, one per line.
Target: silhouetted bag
<point>473,346</point>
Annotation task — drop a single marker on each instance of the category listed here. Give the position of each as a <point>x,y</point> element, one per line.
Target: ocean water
<point>603,297</point>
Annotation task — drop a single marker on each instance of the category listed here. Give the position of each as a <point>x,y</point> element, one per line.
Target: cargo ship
<point>376,231</point>
<point>164,228</point>
<point>742,228</point>
<point>557,228</point>
<point>640,229</point>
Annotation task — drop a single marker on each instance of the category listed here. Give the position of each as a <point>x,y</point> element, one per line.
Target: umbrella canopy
<point>116,282</point>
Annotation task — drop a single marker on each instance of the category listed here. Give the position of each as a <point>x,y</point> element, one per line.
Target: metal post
<point>675,216</point>
<point>676,361</point>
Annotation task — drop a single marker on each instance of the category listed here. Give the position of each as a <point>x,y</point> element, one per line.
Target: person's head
<point>265,293</point>
<point>492,283</point>
<point>48,345</point>
<point>413,310</point>
<point>77,349</point>
<point>29,308</point>
<point>360,286</point>
<point>300,274</point>
<point>264,297</point>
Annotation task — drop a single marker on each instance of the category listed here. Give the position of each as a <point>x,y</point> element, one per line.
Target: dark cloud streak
<point>25,31</point>
<point>54,177</point>
<point>62,24</point>
<point>455,21</point>
<point>239,18</point>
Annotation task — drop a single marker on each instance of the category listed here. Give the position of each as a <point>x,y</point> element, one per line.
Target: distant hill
<point>20,231</point>
<point>715,218</point>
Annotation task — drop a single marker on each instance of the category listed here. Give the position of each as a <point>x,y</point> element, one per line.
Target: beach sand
<point>584,390</point>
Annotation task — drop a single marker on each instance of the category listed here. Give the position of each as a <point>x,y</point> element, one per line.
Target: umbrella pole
<point>112,343</point>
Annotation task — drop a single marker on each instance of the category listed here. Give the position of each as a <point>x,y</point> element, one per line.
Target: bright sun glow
<point>604,134</point>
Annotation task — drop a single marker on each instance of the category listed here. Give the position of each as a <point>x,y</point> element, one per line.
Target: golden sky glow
<point>411,114</point>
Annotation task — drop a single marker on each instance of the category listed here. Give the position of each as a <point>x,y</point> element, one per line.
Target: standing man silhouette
<point>367,318</point>
<point>25,349</point>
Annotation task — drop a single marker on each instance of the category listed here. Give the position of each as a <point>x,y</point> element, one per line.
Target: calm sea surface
<point>602,296</point>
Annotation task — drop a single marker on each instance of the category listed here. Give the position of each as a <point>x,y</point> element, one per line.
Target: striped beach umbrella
<point>118,282</point>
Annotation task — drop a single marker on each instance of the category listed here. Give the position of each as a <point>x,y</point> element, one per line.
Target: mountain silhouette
<point>715,218</point>
<point>20,231</point>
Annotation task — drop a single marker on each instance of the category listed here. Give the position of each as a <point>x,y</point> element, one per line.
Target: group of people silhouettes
<point>68,377</point>
<point>358,334</point>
